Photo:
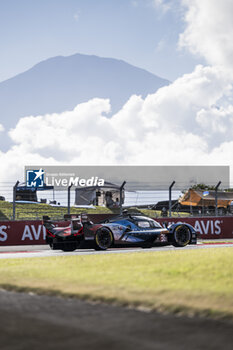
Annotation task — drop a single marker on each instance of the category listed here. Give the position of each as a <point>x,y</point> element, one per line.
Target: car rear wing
<point>73,218</point>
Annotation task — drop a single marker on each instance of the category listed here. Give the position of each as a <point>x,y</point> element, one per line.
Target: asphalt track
<point>34,251</point>
<point>31,321</point>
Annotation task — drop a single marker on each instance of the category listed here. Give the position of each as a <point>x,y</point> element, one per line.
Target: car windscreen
<point>155,224</point>
<point>147,224</point>
<point>143,224</point>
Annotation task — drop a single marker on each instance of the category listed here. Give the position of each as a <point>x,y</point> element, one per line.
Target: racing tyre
<point>103,239</point>
<point>181,236</point>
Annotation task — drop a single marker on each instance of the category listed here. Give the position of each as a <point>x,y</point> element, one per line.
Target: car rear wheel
<point>103,239</point>
<point>181,236</point>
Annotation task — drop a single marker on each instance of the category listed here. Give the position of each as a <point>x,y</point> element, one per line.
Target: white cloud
<point>209,30</point>
<point>161,45</point>
<point>165,5</point>
<point>14,161</point>
<point>1,128</point>
<point>217,123</point>
<point>162,5</point>
<point>176,125</point>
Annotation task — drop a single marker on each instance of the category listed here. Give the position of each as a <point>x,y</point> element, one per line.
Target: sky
<point>141,32</point>
<point>189,122</point>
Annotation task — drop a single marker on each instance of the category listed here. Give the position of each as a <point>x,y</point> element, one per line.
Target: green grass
<point>186,282</point>
<point>216,241</point>
<point>36,211</point>
<point>157,213</point>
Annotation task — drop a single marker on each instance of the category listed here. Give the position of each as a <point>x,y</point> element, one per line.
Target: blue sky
<point>136,31</point>
<point>189,122</point>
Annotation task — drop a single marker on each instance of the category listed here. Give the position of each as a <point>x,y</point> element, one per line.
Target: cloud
<point>14,161</point>
<point>217,124</point>
<point>176,125</point>
<point>164,5</point>
<point>1,128</point>
<point>209,30</point>
<point>161,45</point>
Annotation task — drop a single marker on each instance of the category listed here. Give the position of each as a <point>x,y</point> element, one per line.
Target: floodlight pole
<point>14,198</point>
<point>121,196</point>
<point>170,198</point>
<point>216,198</point>
<point>68,201</point>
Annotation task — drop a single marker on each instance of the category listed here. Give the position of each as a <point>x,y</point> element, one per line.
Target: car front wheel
<point>181,236</point>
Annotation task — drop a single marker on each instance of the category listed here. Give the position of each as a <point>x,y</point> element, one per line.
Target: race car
<point>122,230</point>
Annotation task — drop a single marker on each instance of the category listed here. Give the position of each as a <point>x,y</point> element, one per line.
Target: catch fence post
<point>121,197</point>
<point>14,198</point>
<point>216,198</point>
<point>69,187</point>
<point>170,198</point>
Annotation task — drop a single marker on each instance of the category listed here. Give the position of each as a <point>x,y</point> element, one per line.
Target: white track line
<point>52,253</point>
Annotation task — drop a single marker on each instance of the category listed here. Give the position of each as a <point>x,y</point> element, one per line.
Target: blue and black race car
<point>122,230</point>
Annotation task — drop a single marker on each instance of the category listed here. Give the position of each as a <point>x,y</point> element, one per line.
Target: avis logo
<point>35,178</point>
<point>3,234</point>
<point>32,232</point>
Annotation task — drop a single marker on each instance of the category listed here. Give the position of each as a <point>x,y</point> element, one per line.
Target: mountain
<point>60,83</point>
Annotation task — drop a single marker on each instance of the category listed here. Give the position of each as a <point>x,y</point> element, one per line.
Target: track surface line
<point>44,251</point>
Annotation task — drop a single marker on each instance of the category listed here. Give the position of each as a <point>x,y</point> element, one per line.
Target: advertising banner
<point>206,227</point>
<point>33,232</point>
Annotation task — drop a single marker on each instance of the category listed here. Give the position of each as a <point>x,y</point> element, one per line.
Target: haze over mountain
<point>60,83</point>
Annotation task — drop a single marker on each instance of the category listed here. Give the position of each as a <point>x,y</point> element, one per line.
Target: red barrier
<point>28,232</point>
<point>33,232</point>
<point>207,227</point>
<point>21,233</point>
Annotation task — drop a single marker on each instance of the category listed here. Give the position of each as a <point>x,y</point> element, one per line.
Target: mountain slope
<point>60,83</point>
